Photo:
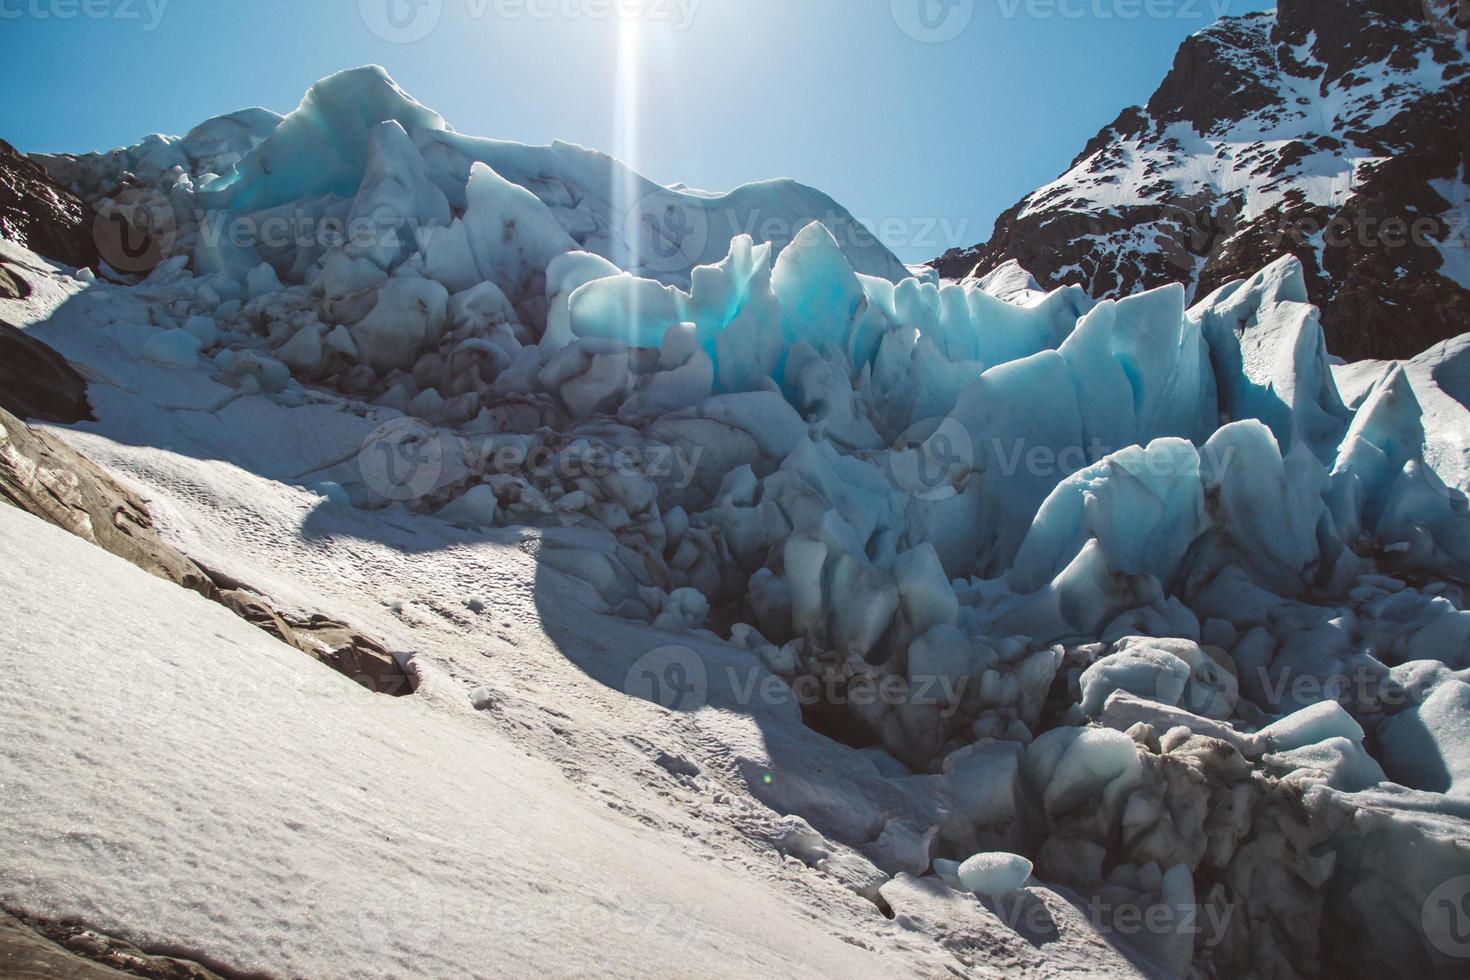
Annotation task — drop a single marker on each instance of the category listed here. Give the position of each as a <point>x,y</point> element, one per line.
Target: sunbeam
<point>625,139</point>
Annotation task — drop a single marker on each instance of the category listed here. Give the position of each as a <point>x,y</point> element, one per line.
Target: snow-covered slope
<point>1335,132</point>
<point>867,594</point>
<point>424,837</point>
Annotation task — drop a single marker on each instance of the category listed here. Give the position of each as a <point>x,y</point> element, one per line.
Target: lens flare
<point>625,138</point>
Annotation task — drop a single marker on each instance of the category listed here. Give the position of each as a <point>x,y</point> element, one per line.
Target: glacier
<point>1125,592</point>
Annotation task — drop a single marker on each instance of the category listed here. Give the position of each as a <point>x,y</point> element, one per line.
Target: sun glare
<point>625,139</point>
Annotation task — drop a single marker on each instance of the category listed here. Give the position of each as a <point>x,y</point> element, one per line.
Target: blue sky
<point>929,125</point>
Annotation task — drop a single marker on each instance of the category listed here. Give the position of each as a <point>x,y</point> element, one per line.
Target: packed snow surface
<point>424,837</point>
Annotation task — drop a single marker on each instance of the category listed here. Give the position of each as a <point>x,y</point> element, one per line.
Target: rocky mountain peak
<point>1335,132</point>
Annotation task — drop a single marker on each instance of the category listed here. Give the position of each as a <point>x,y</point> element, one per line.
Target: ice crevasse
<point>1047,521</point>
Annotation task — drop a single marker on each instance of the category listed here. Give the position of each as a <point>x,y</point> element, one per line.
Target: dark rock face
<point>44,477</point>
<point>38,213</point>
<point>32,949</point>
<point>12,284</point>
<point>36,382</point>
<point>332,643</point>
<point>1338,132</point>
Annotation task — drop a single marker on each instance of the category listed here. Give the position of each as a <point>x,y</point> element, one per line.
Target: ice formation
<point>1124,587</point>
<point>994,875</point>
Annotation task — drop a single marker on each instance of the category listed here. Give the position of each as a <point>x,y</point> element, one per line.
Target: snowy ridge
<point>597,201</point>
<point>1123,588</point>
<point>1326,131</point>
<point>1248,158</point>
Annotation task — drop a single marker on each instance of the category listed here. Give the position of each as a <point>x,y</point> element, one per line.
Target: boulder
<point>36,950</point>
<point>38,383</point>
<point>43,476</point>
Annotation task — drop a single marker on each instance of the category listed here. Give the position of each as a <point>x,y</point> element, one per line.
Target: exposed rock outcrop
<point>43,476</point>
<point>40,214</point>
<point>36,382</point>
<point>1338,133</point>
<point>335,644</point>
<point>32,949</point>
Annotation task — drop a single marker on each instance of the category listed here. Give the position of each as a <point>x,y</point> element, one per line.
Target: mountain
<point>36,211</point>
<point>1337,132</point>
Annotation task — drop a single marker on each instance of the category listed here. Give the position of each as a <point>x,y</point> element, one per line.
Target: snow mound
<point>994,875</point>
